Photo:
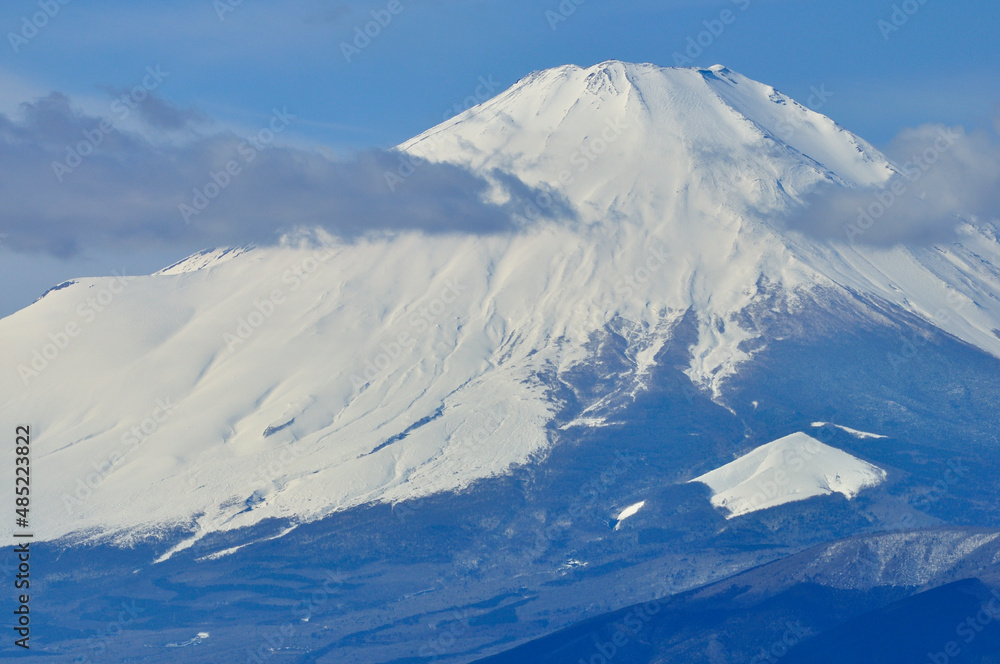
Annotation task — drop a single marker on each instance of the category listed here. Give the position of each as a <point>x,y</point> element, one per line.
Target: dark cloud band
<point>71,181</point>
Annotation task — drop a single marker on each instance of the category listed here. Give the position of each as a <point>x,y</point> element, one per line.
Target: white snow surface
<point>786,470</point>
<point>631,510</point>
<point>854,432</point>
<point>398,366</point>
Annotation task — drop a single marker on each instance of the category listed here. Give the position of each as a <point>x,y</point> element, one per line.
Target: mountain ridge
<point>375,366</point>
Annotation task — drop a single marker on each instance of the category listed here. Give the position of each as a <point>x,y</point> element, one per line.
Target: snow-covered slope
<point>296,380</point>
<point>702,163</point>
<point>786,470</point>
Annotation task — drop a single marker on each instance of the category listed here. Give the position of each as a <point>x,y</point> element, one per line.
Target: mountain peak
<point>657,132</point>
<point>622,66</point>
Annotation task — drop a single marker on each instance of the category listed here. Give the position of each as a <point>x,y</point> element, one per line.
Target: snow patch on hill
<point>786,470</point>
<point>853,432</point>
<point>631,510</point>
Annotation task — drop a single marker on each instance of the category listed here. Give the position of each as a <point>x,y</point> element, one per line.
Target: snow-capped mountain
<point>299,380</point>
<point>440,447</point>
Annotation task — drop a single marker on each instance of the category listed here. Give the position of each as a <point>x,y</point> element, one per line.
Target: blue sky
<point>229,73</point>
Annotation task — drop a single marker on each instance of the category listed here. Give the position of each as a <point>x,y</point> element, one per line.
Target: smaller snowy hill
<point>786,470</point>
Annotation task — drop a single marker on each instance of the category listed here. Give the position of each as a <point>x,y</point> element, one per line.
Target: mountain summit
<point>292,382</point>
<point>672,135</point>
